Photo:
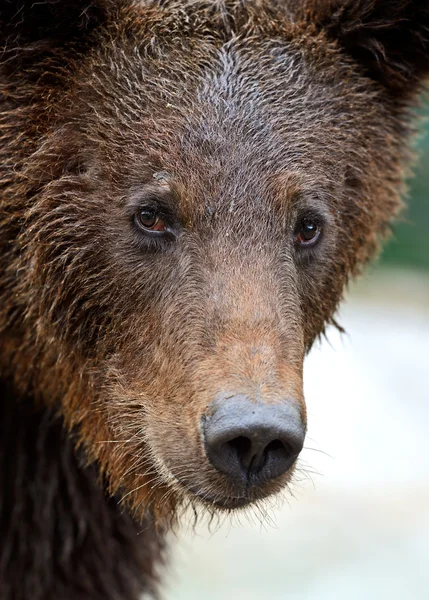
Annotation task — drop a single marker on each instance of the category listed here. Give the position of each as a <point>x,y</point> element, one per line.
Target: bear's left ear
<point>389,38</point>
<point>34,22</point>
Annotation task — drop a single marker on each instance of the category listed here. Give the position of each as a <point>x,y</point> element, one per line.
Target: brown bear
<point>186,188</point>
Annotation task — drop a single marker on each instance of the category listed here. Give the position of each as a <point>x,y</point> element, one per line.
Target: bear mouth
<point>227,503</point>
<point>218,501</point>
<point>242,498</point>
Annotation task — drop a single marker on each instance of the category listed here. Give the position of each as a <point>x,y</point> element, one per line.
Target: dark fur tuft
<point>390,38</point>
<point>28,22</point>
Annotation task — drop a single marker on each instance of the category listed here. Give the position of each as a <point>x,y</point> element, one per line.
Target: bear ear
<point>24,22</point>
<point>389,38</point>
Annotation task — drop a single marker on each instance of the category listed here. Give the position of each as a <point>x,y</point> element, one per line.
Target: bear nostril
<point>277,448</point>
<point>242,446</point>
<point>274,446</point>
<point>253,457</point>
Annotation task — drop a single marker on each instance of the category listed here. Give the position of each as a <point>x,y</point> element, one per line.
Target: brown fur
<point>255,114</point>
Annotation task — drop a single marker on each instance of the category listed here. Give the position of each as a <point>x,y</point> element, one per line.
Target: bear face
<point>192,188</point>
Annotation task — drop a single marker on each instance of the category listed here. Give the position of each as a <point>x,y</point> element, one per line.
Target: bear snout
<point>252,442</point>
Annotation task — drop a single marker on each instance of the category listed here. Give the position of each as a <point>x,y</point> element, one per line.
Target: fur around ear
<point>24,22</point>
<point>389,38</point>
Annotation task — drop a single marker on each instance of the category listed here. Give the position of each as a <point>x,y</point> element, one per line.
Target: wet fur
<point>254,112</point>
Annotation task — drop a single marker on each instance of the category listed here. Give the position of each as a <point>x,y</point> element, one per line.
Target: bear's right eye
<point>150,221</point>
<point>153,217</point>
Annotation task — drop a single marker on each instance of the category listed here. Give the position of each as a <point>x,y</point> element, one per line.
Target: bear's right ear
<point>39,22</point>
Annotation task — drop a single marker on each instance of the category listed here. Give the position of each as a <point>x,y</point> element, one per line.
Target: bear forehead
<point>240,116</point>
<point>232,92</point>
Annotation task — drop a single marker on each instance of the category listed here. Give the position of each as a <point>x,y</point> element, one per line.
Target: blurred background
<point>357,526</point>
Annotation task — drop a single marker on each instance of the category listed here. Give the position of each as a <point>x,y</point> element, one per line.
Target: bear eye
<point>150,221</point>
<point>308,232</point>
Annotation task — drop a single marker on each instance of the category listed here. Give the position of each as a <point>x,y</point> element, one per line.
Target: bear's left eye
<point>150,221</point>
<point>307,232</point>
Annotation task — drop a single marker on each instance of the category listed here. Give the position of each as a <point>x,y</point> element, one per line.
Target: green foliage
<point>409,247</point>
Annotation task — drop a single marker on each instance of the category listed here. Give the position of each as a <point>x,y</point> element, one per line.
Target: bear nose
<point>250,441</point>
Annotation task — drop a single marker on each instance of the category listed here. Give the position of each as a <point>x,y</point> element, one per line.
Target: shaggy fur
<point>236,120</point>
<point>61,537</point>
